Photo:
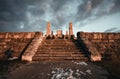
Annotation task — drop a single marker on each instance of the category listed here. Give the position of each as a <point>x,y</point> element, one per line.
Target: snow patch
<point>81,63</point>
<point>68,73</point>
<point>89,72</point>
<point>13,58</point>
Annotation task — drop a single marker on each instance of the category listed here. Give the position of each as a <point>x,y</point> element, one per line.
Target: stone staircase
<point>59,50</point>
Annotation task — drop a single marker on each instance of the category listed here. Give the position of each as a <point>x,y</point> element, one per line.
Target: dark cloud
<point>11,10</point>
<point>32,15</point>
<point>111,29</point>
<point>116,7</point>
<point>117,31</point>
<point>57,4</point>
<point>96,3</point>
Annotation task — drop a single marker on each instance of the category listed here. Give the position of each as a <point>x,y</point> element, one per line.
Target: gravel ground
<point>53,70</point>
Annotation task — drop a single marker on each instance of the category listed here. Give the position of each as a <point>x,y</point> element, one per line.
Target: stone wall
<point>99,36</point>
<point>15,40</point>
<point>105,45</point>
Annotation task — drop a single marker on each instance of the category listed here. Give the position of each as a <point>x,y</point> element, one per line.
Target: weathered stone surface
<point>67,33</point>
<point>17,40</point>
<point>59,34</point>
<point>104,44</point>
<point>70,29</point>
<point>59,50</point>
<point>98,35</point>
<point>99,45</point>
<point>32,48</point>
<point>17,34</point>
<point>48,30</point>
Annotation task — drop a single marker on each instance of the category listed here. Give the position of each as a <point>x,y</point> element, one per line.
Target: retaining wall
<point>105,45</point>
<point>15,40</point>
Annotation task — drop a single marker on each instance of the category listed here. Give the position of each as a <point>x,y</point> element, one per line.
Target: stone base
<point>27,58</point>
<point>95,58</point>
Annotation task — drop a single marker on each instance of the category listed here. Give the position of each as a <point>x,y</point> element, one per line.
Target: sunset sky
<point>86,15</point>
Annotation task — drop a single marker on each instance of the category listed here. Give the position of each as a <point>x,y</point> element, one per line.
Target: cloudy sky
<point>86,15</point>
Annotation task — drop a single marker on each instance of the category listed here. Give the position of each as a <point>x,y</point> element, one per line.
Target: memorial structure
<point>34,46</point>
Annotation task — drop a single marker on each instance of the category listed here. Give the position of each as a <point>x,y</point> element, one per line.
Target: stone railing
<point>32,48</point>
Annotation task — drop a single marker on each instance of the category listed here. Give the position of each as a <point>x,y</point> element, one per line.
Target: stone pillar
<point>59,33</point>
<point>51,32</point>
<point>48,31</point>
<point>67,33</point>
<point>70,29</point>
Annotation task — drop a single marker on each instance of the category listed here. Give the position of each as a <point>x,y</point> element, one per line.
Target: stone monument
<point>70,29</point>
<point>48,31</point>
<point>67,33</point>
<point>59,34</point>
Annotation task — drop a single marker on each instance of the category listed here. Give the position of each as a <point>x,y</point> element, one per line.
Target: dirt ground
<point>52,70</point>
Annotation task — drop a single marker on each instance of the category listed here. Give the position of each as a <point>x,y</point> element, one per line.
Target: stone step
<point>59,58</point>
<point>49,42</point>
<point>59,41</point>
<point>42,50</point>
<point>68,40</point>
<point>60,45</point>
<point>55,43</point>
<point>57,52</point>
<point>59,55</point>
<point>59,48</point>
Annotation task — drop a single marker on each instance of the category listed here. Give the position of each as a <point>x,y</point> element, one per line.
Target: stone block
<point>111,36</point>
<point>48,30</point>
<point>105,36</point>
<point>70,29</point>
<point>104,41</point>
<point>110,40</point>
<point>59,34</point>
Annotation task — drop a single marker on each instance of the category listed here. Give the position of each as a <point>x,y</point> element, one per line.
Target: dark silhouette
<point>8,53</point>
